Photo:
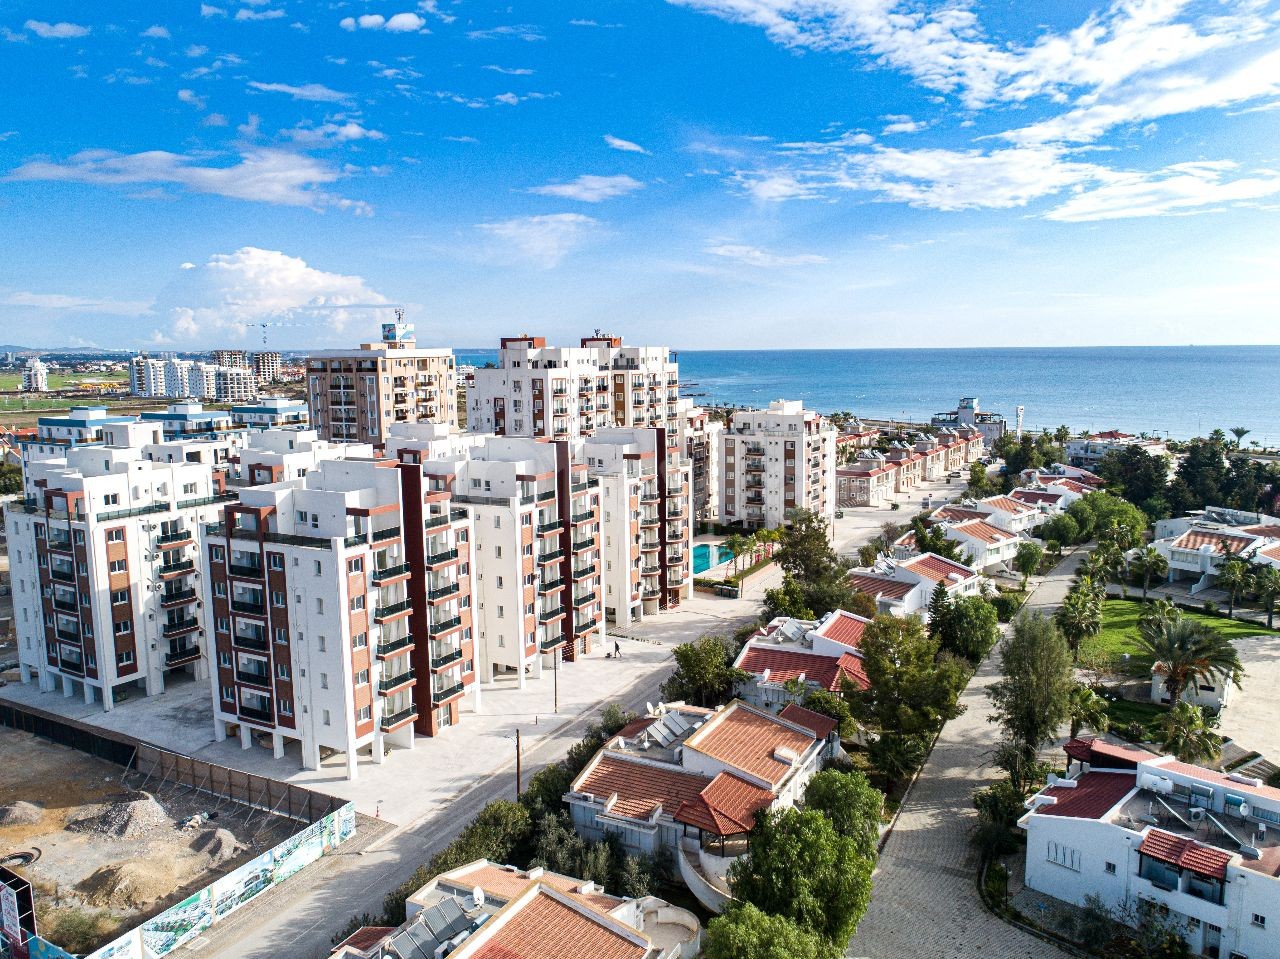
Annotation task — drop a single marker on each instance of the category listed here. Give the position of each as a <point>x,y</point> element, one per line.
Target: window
<point>499,612</point>
<point>497,522</point>
<point>115,536</point>
<point>320,643</point>
<point>119,566</point>
<point>325,717</point>
<point>358,641</point>
<point>275,561</point>
<point>499,579</point>
<point>320,605</point>
<point>111,499</point>
<point>302,517</point>
<point>355,565</point>
<point>78,537</point>
<point>223,624</point>
<point>1260,921</point>
<point>219,589</point>
<point>324,682</point>
<point>125,658</point>
<point>228,694</point>
<point>123,629</point>
<point>190,489</point>
<point>215,553</point>
<point>362,678</point>
<point>357,603</point>
<point>277,597</point>
<point>280,635</point>
<point>286,707</point>
<point>1064,856</point>
<point>1110,868</point>
<point>317,569</point>
<point>224,659</point>
<point>468,666</point>
<point>119,596</point>
<point>282,670</point>
<point>365,714</point>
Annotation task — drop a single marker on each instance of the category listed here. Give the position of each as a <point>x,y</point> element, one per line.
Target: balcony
<point>550,526</point>
<point>652,594</point>
<point>179,627</point>
<point>443,656</point>
<point>444,694</point>
<point>582,599</point>
<point>675,559</point>
<point>61,544</point>
<point>253,571</point>
<point>256,643</point>
<point>651,570</point>
<point>444,556</point>
<point>396,720</point>
<point>438,593</point>
<point>382,613</point>
<point>389,684</point>
<point>63,575</point>
<point>650,546</point>
<point>581,626</point>
<point>66,605</point>
<point>584,517</point>
<point>254,678</point>
<point>255,715</point>
<point>381,535</point>
<point>244,606</point>
<point>550,615</point>
<point>649,498</point>
<point>389,647</point>
<point>545,495</point>
<point>67,635</point>
<point>583,572</point>
<point>176,597</point>
<point>649,522</point>
<point>180,657</point>
<point>551,556</point>
<point>441,626</point>
<point>550,585</point>
<point>389,573</point>
<point>170,539</point>
<point>583,544</point>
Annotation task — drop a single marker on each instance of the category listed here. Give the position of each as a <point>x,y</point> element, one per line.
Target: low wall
<point>703,891</point>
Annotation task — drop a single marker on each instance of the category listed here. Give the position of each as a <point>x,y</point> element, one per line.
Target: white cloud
<point>591,189</point>
<point>317,92</point>
<point>73,304</point>
<point>214,120</point>
<point>56,31</point>
<point>156,32</point>
<point>596,23</point>
<point>207,10</point>
<point>626,146</point>
<point>397,23</point>
<point>510,71</point>
<point>405,23</point>
<point>463,139</point>
<point>244,13</point>
<point>195,50</point>
<point>754,256</point>
<point>191,98</point>
<point>1179,189</point>
<point>523,31</point>
<point>233,291</point>
<point>331,132</point>
<point>546,239</point>
<point>903,124</point>
<point>260,175</point>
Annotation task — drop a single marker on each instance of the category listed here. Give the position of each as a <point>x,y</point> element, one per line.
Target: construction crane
<point>266,323</point>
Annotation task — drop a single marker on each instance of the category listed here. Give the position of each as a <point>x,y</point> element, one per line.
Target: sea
<point>1173,391</point>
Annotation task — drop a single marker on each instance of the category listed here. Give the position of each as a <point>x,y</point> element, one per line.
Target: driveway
<point>924,903</point>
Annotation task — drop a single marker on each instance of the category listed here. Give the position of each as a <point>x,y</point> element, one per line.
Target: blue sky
<point>699,173</point>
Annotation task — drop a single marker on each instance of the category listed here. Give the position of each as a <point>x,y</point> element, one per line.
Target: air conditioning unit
<point>1196,814</point>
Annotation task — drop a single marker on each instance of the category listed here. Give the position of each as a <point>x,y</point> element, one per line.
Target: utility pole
<point>517,764</point>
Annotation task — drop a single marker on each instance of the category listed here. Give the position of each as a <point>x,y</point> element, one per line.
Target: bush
<point>1007,605</point>
<point>1209,607</point>
<point>78,930</point>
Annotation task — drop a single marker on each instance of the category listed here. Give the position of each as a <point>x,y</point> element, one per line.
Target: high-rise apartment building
<point>358,395</point>
<point>266,367</point>
<point>700,443</point>
<point>180,379</point>
<point>776,460</point>
<point>35,376</point>
<point>237,359</point>
<point>567,392</point>
<point>645,520</point>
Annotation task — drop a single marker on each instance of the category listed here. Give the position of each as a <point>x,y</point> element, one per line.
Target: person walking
<point>617,650</point>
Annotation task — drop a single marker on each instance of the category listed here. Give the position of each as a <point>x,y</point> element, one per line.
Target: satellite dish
<point>477,897</point>
<point>1244,809</point>
<point>648,708</point>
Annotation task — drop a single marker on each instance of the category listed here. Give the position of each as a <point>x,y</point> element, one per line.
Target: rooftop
<point>934,567</point>
<point>786,664</point>
<point>843,627</point>
<point>1092,797</point>
<point>751,740</point>
<point>1219,541</point>
<point>821,725</point>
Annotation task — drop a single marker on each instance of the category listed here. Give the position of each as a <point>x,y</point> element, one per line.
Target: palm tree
<point>1235,577</point>
<point>1079,617</point>
<point>1111,559</point>
<point>1150,564</point>
<point>1239,432</point>
<point>1266,582</point>
<point>1159,612</point>
<point>737,544</point>
<point>1087,708</point>
<point>1188,732</point>
<point>1189,651</point>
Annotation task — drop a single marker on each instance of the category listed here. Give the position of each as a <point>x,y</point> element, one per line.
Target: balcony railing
<point>444,693</point>
<point>584,517</point>
<point>387,573</point>
<point>547,615</point>
<point>391,532</point>
<point>66,605</point>
<point>173,569</point>
<point>176,597</point>
<point>181,536</point>
<point>444,625</point>
<point>549,526</point>
<point>179,657</point>
<point>178,627</point>
<point>256,643</point>
<point>254,678</point>
<point>444,556</point>
<point>547,586</point>
<point>245,572</point>
<point>257,715</point>
<point>391,609</point>
<point>551,556</point>
<point>583,572</point>
<point>243,606</point>
<point>443,592</point>
<point>389,683</point>
<point>389,647</point>
<point>580,544</point>
<point>396,719</point>
<point>64,575</point>
<point>442,656</point>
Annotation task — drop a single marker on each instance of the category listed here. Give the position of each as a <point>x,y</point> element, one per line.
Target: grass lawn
<point>63,381</point>
<point>1122,712</point>
<point>1120,633</point>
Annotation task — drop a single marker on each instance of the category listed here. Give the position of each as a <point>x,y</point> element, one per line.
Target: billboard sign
<point>397,332</point>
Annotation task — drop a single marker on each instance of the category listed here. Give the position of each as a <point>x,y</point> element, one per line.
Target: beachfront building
<point>35,376</point>
<point>968,412</point>
<point>557,392</point>
<point>902,587</point>
<point>104,564</point>
<point>1141,832</point>
<point>789,658</point>
<point>1196,545</point>
<point>646,526</point>
<point>1087,451</point>
<point>690,782</point>
<point>329,630</point>
<point>868,480</point>
<point>485,910</point>
<point>358,395</point>
<point>700,441</point>
<point>776,460</point>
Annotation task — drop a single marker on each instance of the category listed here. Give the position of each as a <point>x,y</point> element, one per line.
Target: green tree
<point>862,604</point>
<point>1156,614</point>
<point>1032,699</point>
<point>1111,513</point>
<point>1087,709</point>
<point>1190,651</point>
<point>999,806</point>
<point>933,539</point>
<point>797,865</point>
<point>704,673</point>
<point>10,479</point>
<point>911,689</point>
<point>1082,513</point>
<point>787,600</point>
<point>1149,564</point>
<point>1061,529</point>
<point>805,550</point>
<point>939,605</point>
<point>1079,617</point>
<point>745,932</point>
<point>1187,731</point>
<point>834,706</point>
<point>1266,583</point>
<point>1027,560</point>
<point>1239,432</point>
<point>851,803</point>
<point>1135,474</point>
<point>738,545</point>
<point>970,628</point>
<point>1234,577</point>
<point>896,756</point>
<point>979,481</point>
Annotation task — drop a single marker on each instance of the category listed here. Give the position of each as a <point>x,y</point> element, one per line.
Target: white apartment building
<point>903,587</point>
<point>103,562</point>
<point>272,412</point>
<point>968,412</point>
<point>180,379</point>
<point>79,426</point>
<point>1198,544</point>
<point>788,658</point>
<point>774,461</point>
<point>646,528</point>
<point>35,376</point>
<point>700,442</point>
<point>568,392</point>
<point>1142,831</point>
<point>358,395</point>
<point>1087,452</point>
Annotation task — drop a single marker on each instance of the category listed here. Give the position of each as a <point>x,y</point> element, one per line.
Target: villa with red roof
<point>1197,545</point>
<point>790,657</point>
<point>693,782</point>
<point>1135,828</point>
<point>902,587</point>
<point>1009,513</point>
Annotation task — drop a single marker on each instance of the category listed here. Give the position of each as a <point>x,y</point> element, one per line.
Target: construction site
<point>109,841</point>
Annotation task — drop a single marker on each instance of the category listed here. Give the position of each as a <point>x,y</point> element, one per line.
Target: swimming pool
<point>702,557</point>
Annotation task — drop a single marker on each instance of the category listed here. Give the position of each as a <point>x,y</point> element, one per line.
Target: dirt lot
<point>109,852</point>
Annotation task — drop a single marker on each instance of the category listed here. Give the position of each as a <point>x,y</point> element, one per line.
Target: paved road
<point>925,902</point>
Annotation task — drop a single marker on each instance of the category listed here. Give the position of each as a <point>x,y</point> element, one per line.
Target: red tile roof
<point>641,786</point>
<point>785,664</point>
<point>748,739</point>
<point>1006,504</point>
<point>1036,496</point>
<point>1093,796</point>
<point>637,726</point>
<point>727,807</point>
<point>934,567</point>
<point>822,726</point>
<point>366,938</point>
<point>880,586</point>
<point>1271,532</point>
<point>1074,485</point>
<point>956,514</point>
<point>1099,752</point>
<point>1271,552</point>
<point>984,531</point>
<point>546,928</point>
<point>508,884</point>
<point>1195,538</point>
<point>842,627</point>
<point>1185,853</point>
